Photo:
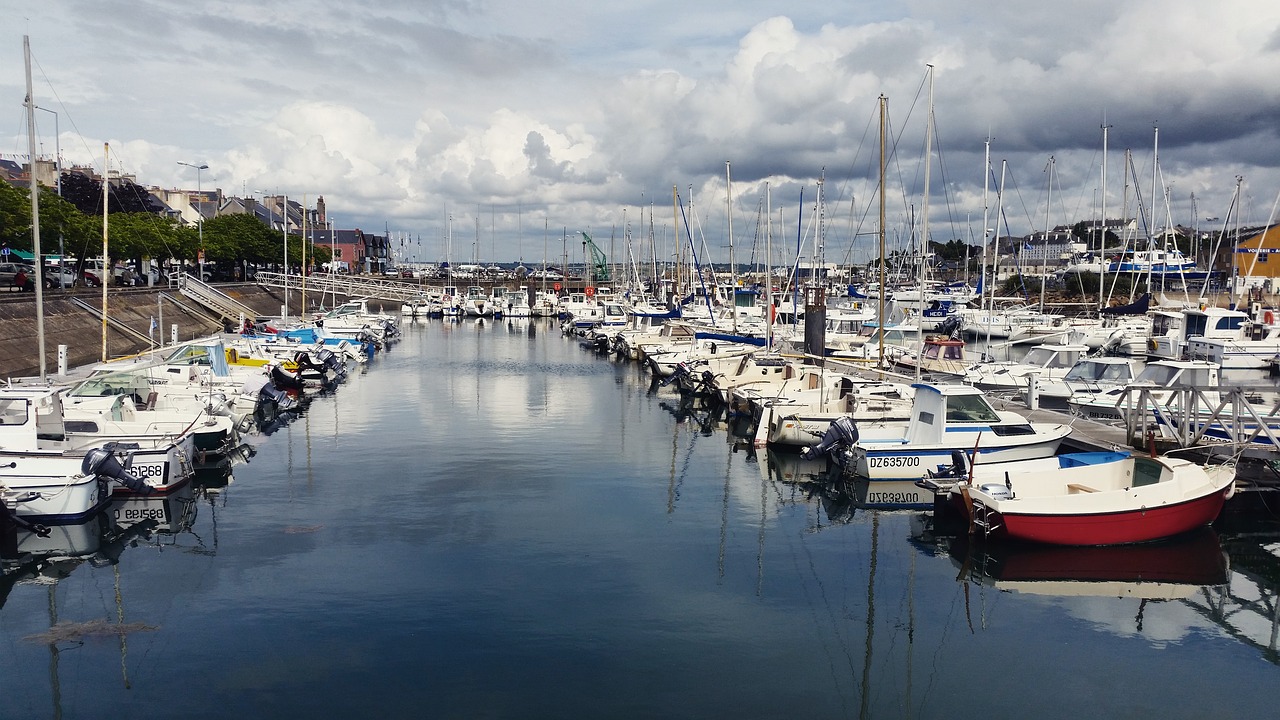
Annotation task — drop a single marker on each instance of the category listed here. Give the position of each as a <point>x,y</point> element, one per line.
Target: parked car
<point>56,276</point>
<point>9,271</point>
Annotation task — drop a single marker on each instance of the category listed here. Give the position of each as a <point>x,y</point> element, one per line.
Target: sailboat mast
<point>1044,262</point>
<point>1155,170</point>
<point>768,268</point>
<point>924,226</point>
<point>1102,243</point>
<point>35,205</point>
<point>986,186</point>
<point>303,311</point>
<point>733,271</point>
<point>106,264</point>
<point>884,109</point>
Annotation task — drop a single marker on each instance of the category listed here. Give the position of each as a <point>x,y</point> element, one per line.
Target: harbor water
<point>488,520</point>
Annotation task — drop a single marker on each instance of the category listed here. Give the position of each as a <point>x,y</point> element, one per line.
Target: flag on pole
<point>151,331</point>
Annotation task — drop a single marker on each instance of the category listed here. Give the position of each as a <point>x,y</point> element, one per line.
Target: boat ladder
<point>984,519</point>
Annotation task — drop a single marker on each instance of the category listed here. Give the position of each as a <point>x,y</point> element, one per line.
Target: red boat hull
<point>1116,528</point>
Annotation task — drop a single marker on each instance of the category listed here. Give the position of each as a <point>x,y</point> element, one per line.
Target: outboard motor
<point>680,372</point>
<point>842,434</point>
<point>314,369</point>
<point>282,400</point>
<point>284,380</point>
<point>102,463</point>
<point>951,326</point>
<point>219,405</point>
<point>958,469</point>
<point>330,360</point>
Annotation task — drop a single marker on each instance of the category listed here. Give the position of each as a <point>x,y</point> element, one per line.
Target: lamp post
<point>57,140</point>
<point>284,228</point>
<point>199,212</point>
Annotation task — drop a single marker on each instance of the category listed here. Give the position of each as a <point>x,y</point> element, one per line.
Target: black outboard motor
<point>310,368</point>
<point>951,326</point>
<point>284,380</point>
<point>281,400</point>
<point>677,375</point>
<point>958,469</point>
<point>102,463</point>
<point>331,361</point>
<point>842,434</point>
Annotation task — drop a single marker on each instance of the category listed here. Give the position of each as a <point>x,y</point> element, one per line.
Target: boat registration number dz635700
<point>893,461</point>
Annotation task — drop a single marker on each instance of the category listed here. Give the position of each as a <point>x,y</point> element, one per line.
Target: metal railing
<point>225,306</point>
<point>348,285</point>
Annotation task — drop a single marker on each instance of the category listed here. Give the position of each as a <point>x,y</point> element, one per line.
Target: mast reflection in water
<point>490,520</point>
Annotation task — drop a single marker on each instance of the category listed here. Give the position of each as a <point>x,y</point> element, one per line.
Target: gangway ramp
<point>221,304</point>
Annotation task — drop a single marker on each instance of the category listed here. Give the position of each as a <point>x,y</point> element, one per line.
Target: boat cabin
<point>30,419</point>
<point>942,409</point>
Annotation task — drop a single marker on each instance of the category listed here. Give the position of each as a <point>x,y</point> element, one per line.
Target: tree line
<point>137,227</point>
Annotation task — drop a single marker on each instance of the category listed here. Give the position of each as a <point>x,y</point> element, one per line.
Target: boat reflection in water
<point>858,492</point>
<point>1167,570</point>
<point>818,479</point>
<point>155,517</point>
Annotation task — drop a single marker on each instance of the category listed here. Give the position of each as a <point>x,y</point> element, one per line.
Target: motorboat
<point>798,413</point>
<point>415,307</point>
<point>1131,500</point>
<point>46,479</point>
<point>1160,379</point>
<point>517,304</point>
<point>1042,362</point>
<point>943,418</point>
<point>1090,376</point>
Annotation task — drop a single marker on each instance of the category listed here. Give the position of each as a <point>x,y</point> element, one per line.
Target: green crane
<point>599,263</point>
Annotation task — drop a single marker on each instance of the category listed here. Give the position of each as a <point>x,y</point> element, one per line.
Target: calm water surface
<point>491,522</point>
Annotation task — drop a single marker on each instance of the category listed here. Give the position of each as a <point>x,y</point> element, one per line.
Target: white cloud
<point>396,111</point>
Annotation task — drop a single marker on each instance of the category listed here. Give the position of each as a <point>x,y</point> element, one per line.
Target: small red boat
<point>1134,500</point>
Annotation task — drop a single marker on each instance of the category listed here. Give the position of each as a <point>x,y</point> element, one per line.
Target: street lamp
<point>284,227</point>
<point>199,212</point>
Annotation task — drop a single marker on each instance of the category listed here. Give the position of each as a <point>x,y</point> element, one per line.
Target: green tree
<point>144,235</point>
<point>15,217</point>
<point>241,236</point>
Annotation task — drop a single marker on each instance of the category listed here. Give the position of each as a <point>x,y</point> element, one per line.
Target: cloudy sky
<point>510,116</point>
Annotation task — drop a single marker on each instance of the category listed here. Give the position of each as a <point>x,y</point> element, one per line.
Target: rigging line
<point>63,109</point>
<point>831,622</point>
<point>953,219</point>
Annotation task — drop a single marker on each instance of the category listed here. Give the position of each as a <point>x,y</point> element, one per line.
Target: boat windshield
<point>190,355</point>
<point>1051,357</point>
<point>1159,374</point>
<point>114,383</point>
<point>1094,370</point>
<point>13,411</point>
<point>970,408</point>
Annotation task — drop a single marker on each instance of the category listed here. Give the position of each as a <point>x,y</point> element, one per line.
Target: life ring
<point>1154,345</point>
<point>1268,317</point>
<point>590,291</point>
